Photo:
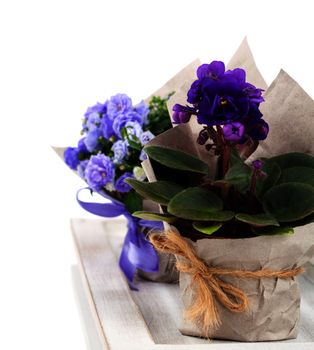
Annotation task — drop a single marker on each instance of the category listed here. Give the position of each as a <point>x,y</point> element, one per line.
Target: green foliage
<point>289,201</point>
<point>298,174</point>
<point>273,231</point>
<point>160,191</point>
<point>198,203</point>
<point>132,201</point>
<point>155,216</point>
<point>272,174</point>
<point>206,228</point>
<point>158,117</point>
<point>257,219</point>
<point>176,159</point>
<point>239,175</point>
<point>294,159</point>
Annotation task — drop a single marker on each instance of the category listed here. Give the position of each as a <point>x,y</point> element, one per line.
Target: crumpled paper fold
<point>274,303</point>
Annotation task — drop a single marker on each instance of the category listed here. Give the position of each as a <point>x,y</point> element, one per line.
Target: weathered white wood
<point>148,319</point>
<point>88,321</point>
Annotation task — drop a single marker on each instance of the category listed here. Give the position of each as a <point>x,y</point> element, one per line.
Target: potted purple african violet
<point>231,220</point>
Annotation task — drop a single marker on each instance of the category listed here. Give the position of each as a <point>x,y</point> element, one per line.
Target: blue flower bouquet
<point>110,151</point>
<point>236,190</point>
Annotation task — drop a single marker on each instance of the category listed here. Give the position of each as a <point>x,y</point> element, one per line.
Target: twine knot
<point>206,284</point>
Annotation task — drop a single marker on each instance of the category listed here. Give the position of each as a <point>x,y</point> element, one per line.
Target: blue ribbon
<point>137,251</point>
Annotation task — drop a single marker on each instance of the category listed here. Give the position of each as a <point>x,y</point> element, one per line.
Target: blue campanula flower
<point>143,156</point>
<point>118,104</point>
<point>92,116</point>
<point>145,137</point>
<point>106,127</point>
<point>134,131</point>
<point>81,168</point>
<point>120,150</point>
<point>71,157</point>
<point>99,172</point>
<point>142,109</point>
<point>92,140</point>
<point>81,147</point>
<point>121,120</point>
<point>121,185</point>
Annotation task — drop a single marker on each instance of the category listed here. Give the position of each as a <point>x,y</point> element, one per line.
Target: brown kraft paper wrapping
<point>274,302</point>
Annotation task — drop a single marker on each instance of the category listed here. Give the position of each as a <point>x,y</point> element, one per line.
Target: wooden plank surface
<point>149,318</point>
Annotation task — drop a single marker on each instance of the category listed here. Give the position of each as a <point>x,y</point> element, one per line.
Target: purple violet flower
<point>257,164</point>
<point>203,137</point>
<point>221,97</point>
<point>182,114</point>
<point>121,185</point>
<point>233,132</point>
<point>99,171</point>
<point>258,130</point>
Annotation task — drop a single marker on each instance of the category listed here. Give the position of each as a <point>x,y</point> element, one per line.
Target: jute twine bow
<point>207,287</point>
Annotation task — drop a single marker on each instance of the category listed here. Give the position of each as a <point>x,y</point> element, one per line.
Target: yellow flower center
<point>223,101</point>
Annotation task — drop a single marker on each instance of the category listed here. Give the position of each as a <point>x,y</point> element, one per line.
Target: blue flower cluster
<point>224,98</point>
<point>114,135</point>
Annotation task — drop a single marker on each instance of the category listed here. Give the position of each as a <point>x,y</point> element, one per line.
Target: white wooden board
<point>149,318</point>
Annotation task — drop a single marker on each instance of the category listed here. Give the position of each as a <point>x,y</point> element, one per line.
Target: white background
<point>58,57</point>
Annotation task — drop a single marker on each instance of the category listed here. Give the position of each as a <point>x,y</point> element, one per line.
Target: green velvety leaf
<point>206,228</point>
<point>272,175</point>
<point>305,221</point>
<point>294,159</point>
<point>160,191</point>
<point>298,174</point>
<point>289,201</point>
<point>198,203</point>
<point>155,216</point>
<point>235,157</point>
<point>273,231</point>
<point>239,175</point>
<point>258,219</point>
<point>132,201</point>
<point>176,159</point>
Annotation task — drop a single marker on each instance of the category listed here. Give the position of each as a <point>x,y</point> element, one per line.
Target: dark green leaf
<point>155,216</point>
<point>272,175</point>
<point>235,157</point>
<point>298,174</point>
<point>289,201</point>
<point>132,201</point>
<point>294,159</point>
<point>206,228</point>
<point>239,175</point>
<point>273,231</point>
<point>176,159</point>
<point>257,219</point>
<point>198,203</point>
<point>305,221</point>
<point>159,191</point>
